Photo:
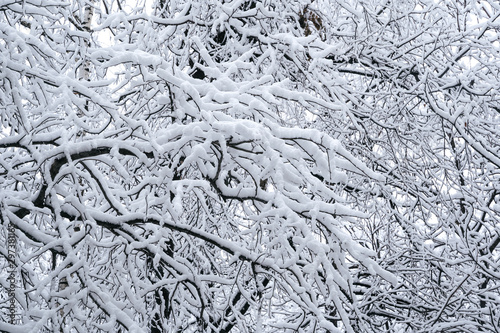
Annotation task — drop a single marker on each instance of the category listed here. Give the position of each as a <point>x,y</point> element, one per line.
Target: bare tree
<point>250,166</point>
<point>420,86</point>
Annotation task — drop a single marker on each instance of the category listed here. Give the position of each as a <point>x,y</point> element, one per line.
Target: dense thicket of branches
<point>250,166</point>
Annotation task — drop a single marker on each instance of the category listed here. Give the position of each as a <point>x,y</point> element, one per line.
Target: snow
<point>351,168</point>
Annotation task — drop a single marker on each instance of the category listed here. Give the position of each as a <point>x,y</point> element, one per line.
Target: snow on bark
<point>200,166</point>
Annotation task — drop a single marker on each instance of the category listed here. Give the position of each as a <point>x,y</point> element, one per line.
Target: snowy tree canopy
<point>249,166</point>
